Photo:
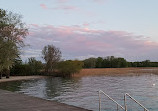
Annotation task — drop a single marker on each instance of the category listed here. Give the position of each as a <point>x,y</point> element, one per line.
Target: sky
<point>90,28</point>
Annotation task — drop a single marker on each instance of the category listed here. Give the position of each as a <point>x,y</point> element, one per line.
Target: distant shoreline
<point>17,78</point>
<point>95,72</point>
<point>117,71</point>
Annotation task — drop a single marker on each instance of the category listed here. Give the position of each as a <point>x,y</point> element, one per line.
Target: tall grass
<point>116,71</point>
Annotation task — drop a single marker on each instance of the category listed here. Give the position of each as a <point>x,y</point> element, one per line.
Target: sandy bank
<point>15,78</point>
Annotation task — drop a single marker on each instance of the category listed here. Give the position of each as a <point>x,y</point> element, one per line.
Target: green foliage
<point>36,66</point>
<point>52,56</point>
<point>69,67</point>
<point>8,52</point>
<point>114,62</point>
<point>90,63</point>
<point>108,62</point>
<point>33,67</point>
<point>21,70</point>
<point>12,32</point>
<point>146,63</point>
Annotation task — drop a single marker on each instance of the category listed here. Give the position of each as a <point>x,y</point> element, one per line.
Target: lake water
<point>82,92</point>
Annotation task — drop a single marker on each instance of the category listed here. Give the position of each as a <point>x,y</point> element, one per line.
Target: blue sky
<point>90,28</point>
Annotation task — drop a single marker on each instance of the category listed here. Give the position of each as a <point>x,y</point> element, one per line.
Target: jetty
<point>12,101</point>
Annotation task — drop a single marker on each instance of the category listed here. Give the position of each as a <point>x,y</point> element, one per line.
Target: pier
<point>11,101</point>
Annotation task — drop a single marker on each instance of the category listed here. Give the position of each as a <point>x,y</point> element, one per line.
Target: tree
<point>35,66</point>
<point>12,32</point>
<point>69,67</point>
<point>99,62</point>
<point>7,55</point>
<point>12,27</point>
<point>90,63</point>
<point>52,56</point>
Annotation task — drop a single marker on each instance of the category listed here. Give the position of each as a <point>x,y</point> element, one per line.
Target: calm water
<point>82,92</point>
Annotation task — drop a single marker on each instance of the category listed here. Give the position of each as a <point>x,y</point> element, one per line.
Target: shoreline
<point>18,78</point>
<point>94,72</point>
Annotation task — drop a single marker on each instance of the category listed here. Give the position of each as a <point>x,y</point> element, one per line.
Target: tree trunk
<point>0,75</point>
<point>8,74</point>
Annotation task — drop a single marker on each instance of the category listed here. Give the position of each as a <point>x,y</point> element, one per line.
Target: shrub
<point>69,67</point>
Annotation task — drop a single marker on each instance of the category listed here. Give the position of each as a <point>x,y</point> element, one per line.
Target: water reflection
<point>56,87</point>
<point>82,92</point>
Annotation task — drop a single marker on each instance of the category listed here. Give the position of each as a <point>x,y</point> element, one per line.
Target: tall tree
<point>35,66</point>
<point>12,32</point>
<point>52,56</point>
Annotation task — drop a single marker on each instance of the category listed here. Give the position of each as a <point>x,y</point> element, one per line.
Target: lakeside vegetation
<point>131,71</point>
<point>12,35</point>
<point>116,62</point>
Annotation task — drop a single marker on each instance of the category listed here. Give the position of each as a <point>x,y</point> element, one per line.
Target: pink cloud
<point>66,7</point>
<point>34,25</point>
<point>43,6</point>
<point>86,24</point>
<point>60,7</point>
<point>75,41</point>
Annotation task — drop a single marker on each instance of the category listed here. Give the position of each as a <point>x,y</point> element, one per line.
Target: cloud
<point>59,7</point>
<point>78,42</point>
<point>43,6</point>
<point>87,24</point>
<point>66,8</point>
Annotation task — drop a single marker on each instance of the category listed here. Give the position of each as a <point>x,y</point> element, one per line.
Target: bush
<point>33,67</point>
<point>69,67</point>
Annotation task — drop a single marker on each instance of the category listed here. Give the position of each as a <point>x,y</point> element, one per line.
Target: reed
<point>116,71</point>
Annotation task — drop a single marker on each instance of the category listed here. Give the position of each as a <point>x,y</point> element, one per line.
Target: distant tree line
<point>66,68</point>
<point>115,62</point>
<point>146,63</point>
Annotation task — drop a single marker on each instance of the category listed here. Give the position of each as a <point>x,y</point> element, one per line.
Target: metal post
<point>117,107</point>
<point>125,102</point>
<point>99,101</point>
<point>134,101</point>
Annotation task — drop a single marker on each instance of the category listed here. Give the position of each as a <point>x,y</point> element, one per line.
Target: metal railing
<point>118,105</point>
<point>125,97</point>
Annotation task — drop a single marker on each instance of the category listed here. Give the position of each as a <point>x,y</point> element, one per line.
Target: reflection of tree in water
<point>11,86</point>
<point>31,87</point>
<point>34,88</point>
<point>52,88</point>
<point>57,86</point>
